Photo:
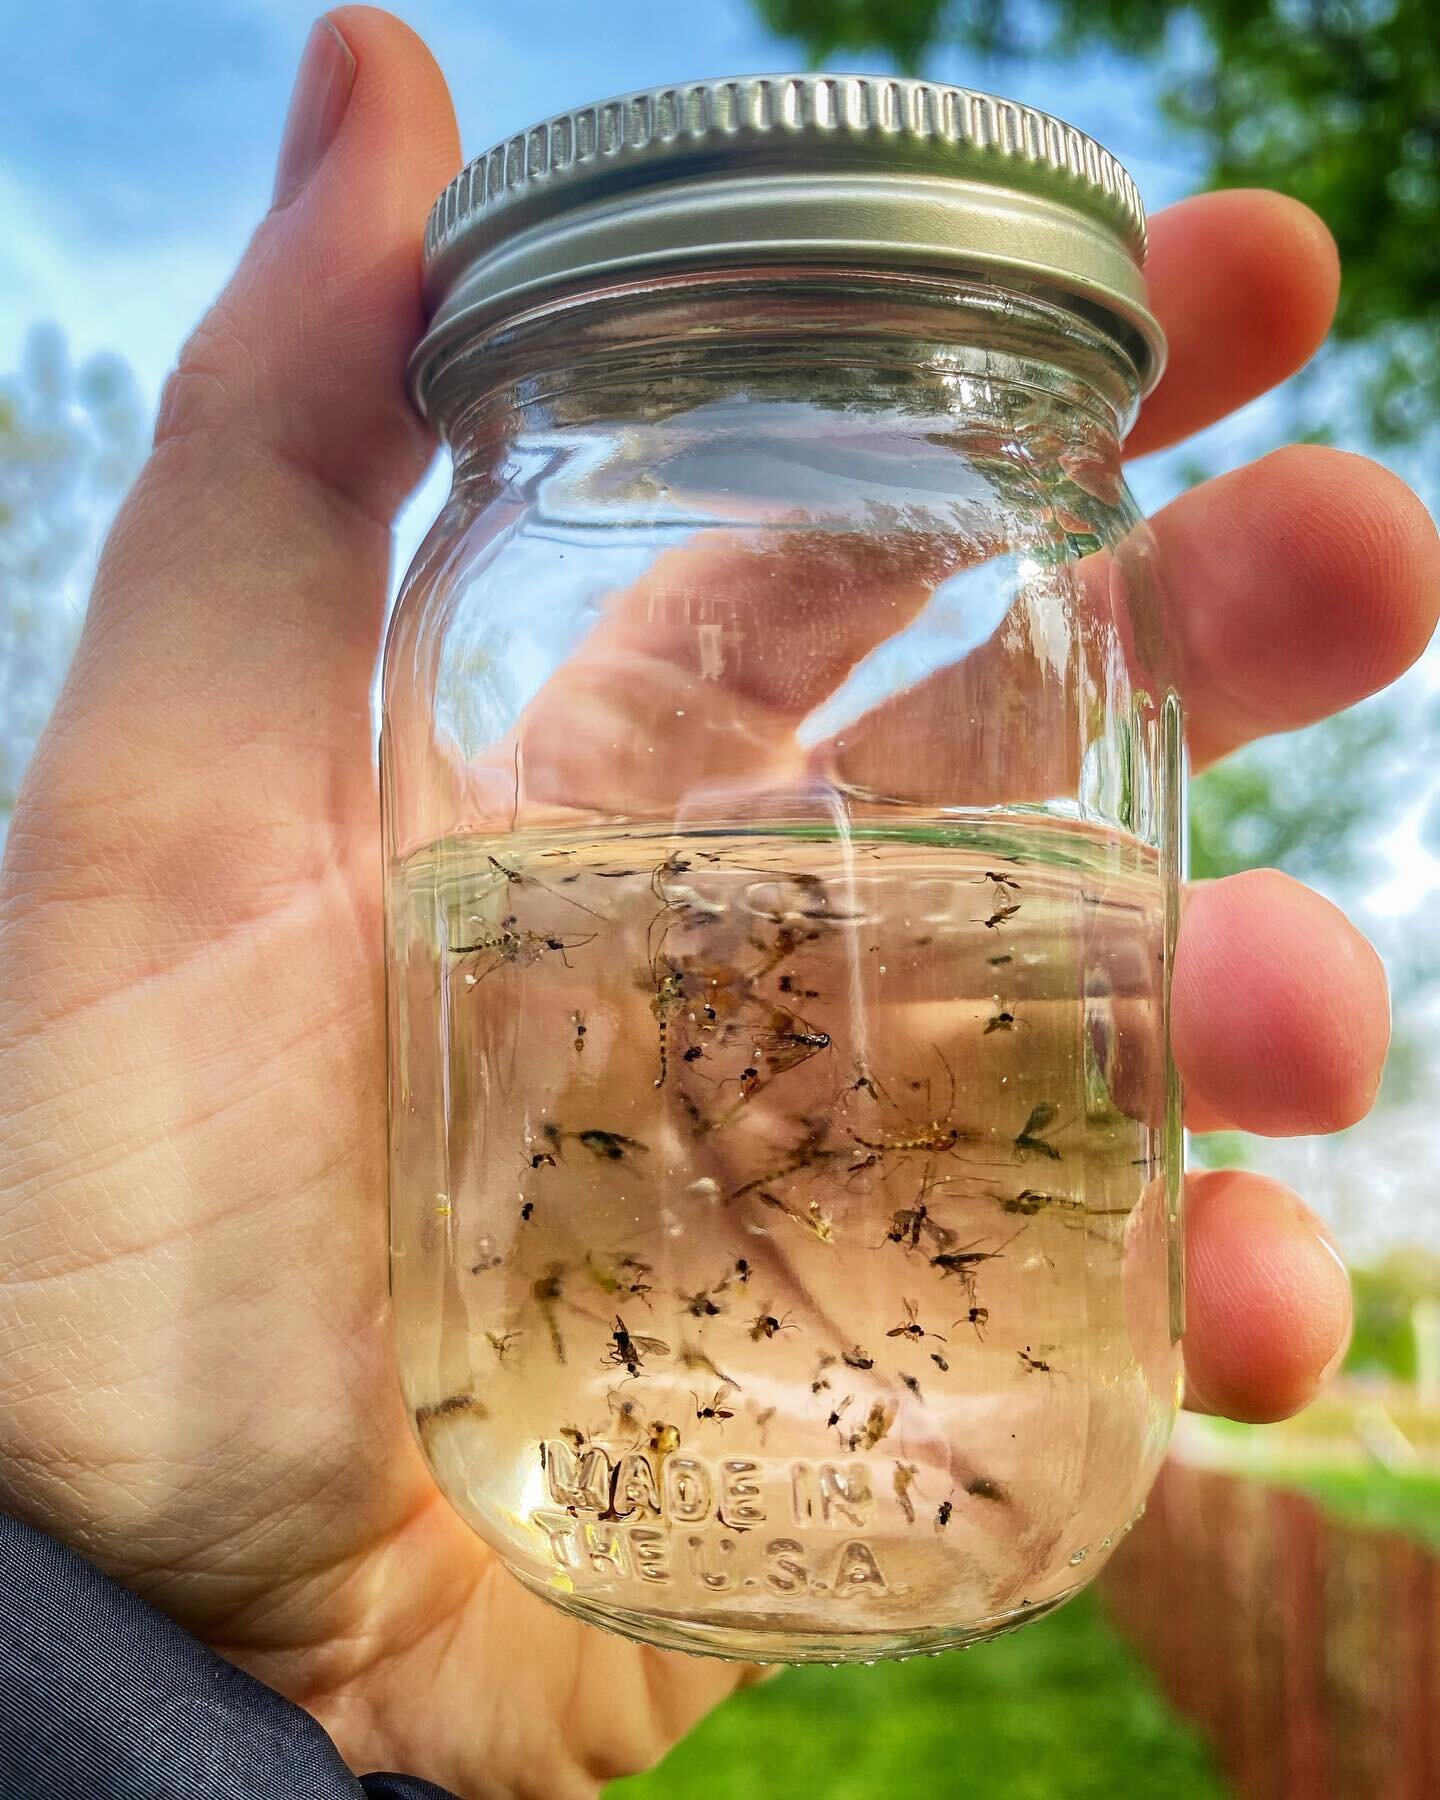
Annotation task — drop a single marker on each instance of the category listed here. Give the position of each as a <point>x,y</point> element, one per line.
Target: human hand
<point>195,1380</point>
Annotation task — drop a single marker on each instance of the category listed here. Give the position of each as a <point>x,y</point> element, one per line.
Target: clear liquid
<point>781,1248</point>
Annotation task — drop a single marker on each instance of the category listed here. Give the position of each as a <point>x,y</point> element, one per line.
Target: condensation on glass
<point>782,776</point>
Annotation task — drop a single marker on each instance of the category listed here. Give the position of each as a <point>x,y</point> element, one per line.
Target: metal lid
<point>843,170</point>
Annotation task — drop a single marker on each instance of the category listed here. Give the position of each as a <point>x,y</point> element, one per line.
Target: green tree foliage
<point>70,443</point>
<point>1385,1299</point>
<point>1334,101</point>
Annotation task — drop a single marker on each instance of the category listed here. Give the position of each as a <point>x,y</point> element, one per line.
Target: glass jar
<point>782,780</point>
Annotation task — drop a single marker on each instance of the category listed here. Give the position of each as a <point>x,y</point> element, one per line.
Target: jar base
<point>775,1643</point>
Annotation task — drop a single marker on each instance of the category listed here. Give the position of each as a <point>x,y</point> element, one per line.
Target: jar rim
<point>861,171</point>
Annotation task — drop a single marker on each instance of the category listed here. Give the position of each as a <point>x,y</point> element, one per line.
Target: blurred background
<point>1274,1626</point>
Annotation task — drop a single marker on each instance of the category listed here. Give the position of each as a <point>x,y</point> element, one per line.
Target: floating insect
<point>1034,1364</point>
<point>821,1381</point>
<point>1000,881</point>
<point>573,1436</point>
<point>1003,1020</point>
<point>837,1411</point>
<point>527,1212</point>
<point>911,1328</point>
<point>979,1317</point>
<point>690,1356</point>
<point>702,1304</point>
<point>984,1489</point>
<point>628,1350</point>
<point>542,1159</point>
<point>913,1385</point>
<point>578,1021</point>
<point>500,1342</point>
<point>766,1325</point>
<point>1028,1141</point>
<point>940,1362</point>
<point>942,1514</point>
<point>877,1424</point>
<point>742,1270</point>
<point>663,1438</point>
<point>1003,910</point>
<point>1027,1202</point>
<point>451,1407</point>
<point>519,949</point>
<point>626,1275</point>
<point>669,992</point>
<point>910,1223</point>
<point>903,1481</point>
<point>855,1358</point>
<point>547,1294</point>
<point>715,1409</point>
<point>964,1264</point>
<point>609,1146</point>
<point>627,1412</point>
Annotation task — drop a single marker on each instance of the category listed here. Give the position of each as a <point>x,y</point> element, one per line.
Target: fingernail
<point>322,92</point>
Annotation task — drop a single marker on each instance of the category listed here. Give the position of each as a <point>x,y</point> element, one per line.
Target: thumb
<point>224,673</point>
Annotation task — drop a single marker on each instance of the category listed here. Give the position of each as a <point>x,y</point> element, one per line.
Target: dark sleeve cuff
<point>104,1698</point>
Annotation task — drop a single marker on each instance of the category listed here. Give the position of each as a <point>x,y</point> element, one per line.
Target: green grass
<point>1376,1498</point>
<point>1059,1711</point>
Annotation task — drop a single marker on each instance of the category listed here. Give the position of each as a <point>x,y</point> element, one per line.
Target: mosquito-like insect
<point>964,1263</point>
<point>516,948</point>
<point>837,1411</point>
<point>1003,1019</point>
<point>628,1350</point>
<point>669,993</point>
<point>806,1154</point>
<point>1000,881</point>
<point>911,1328</point>
<point>1004,909</point>
<point>716,1408</point>
<point>1028,1140</point>
<point>878,1421</point>
<point>702,1304</point>
<point>904,1480</point>
<point>1035,1364</point>
<point>500,1342</point>
<point>515,878</point>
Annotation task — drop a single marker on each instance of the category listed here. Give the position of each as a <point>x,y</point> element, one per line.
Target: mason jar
<point>782,783</point>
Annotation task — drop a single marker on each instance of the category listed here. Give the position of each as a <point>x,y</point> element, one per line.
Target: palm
<point>195,1367</point>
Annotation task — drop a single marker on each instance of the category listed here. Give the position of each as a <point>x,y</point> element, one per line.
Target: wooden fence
<point>1308,1649</point>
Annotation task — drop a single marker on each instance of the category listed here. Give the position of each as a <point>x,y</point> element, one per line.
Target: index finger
<point>1244,284</point>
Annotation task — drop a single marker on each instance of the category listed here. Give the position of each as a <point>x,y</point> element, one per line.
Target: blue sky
<point>136,140</point>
